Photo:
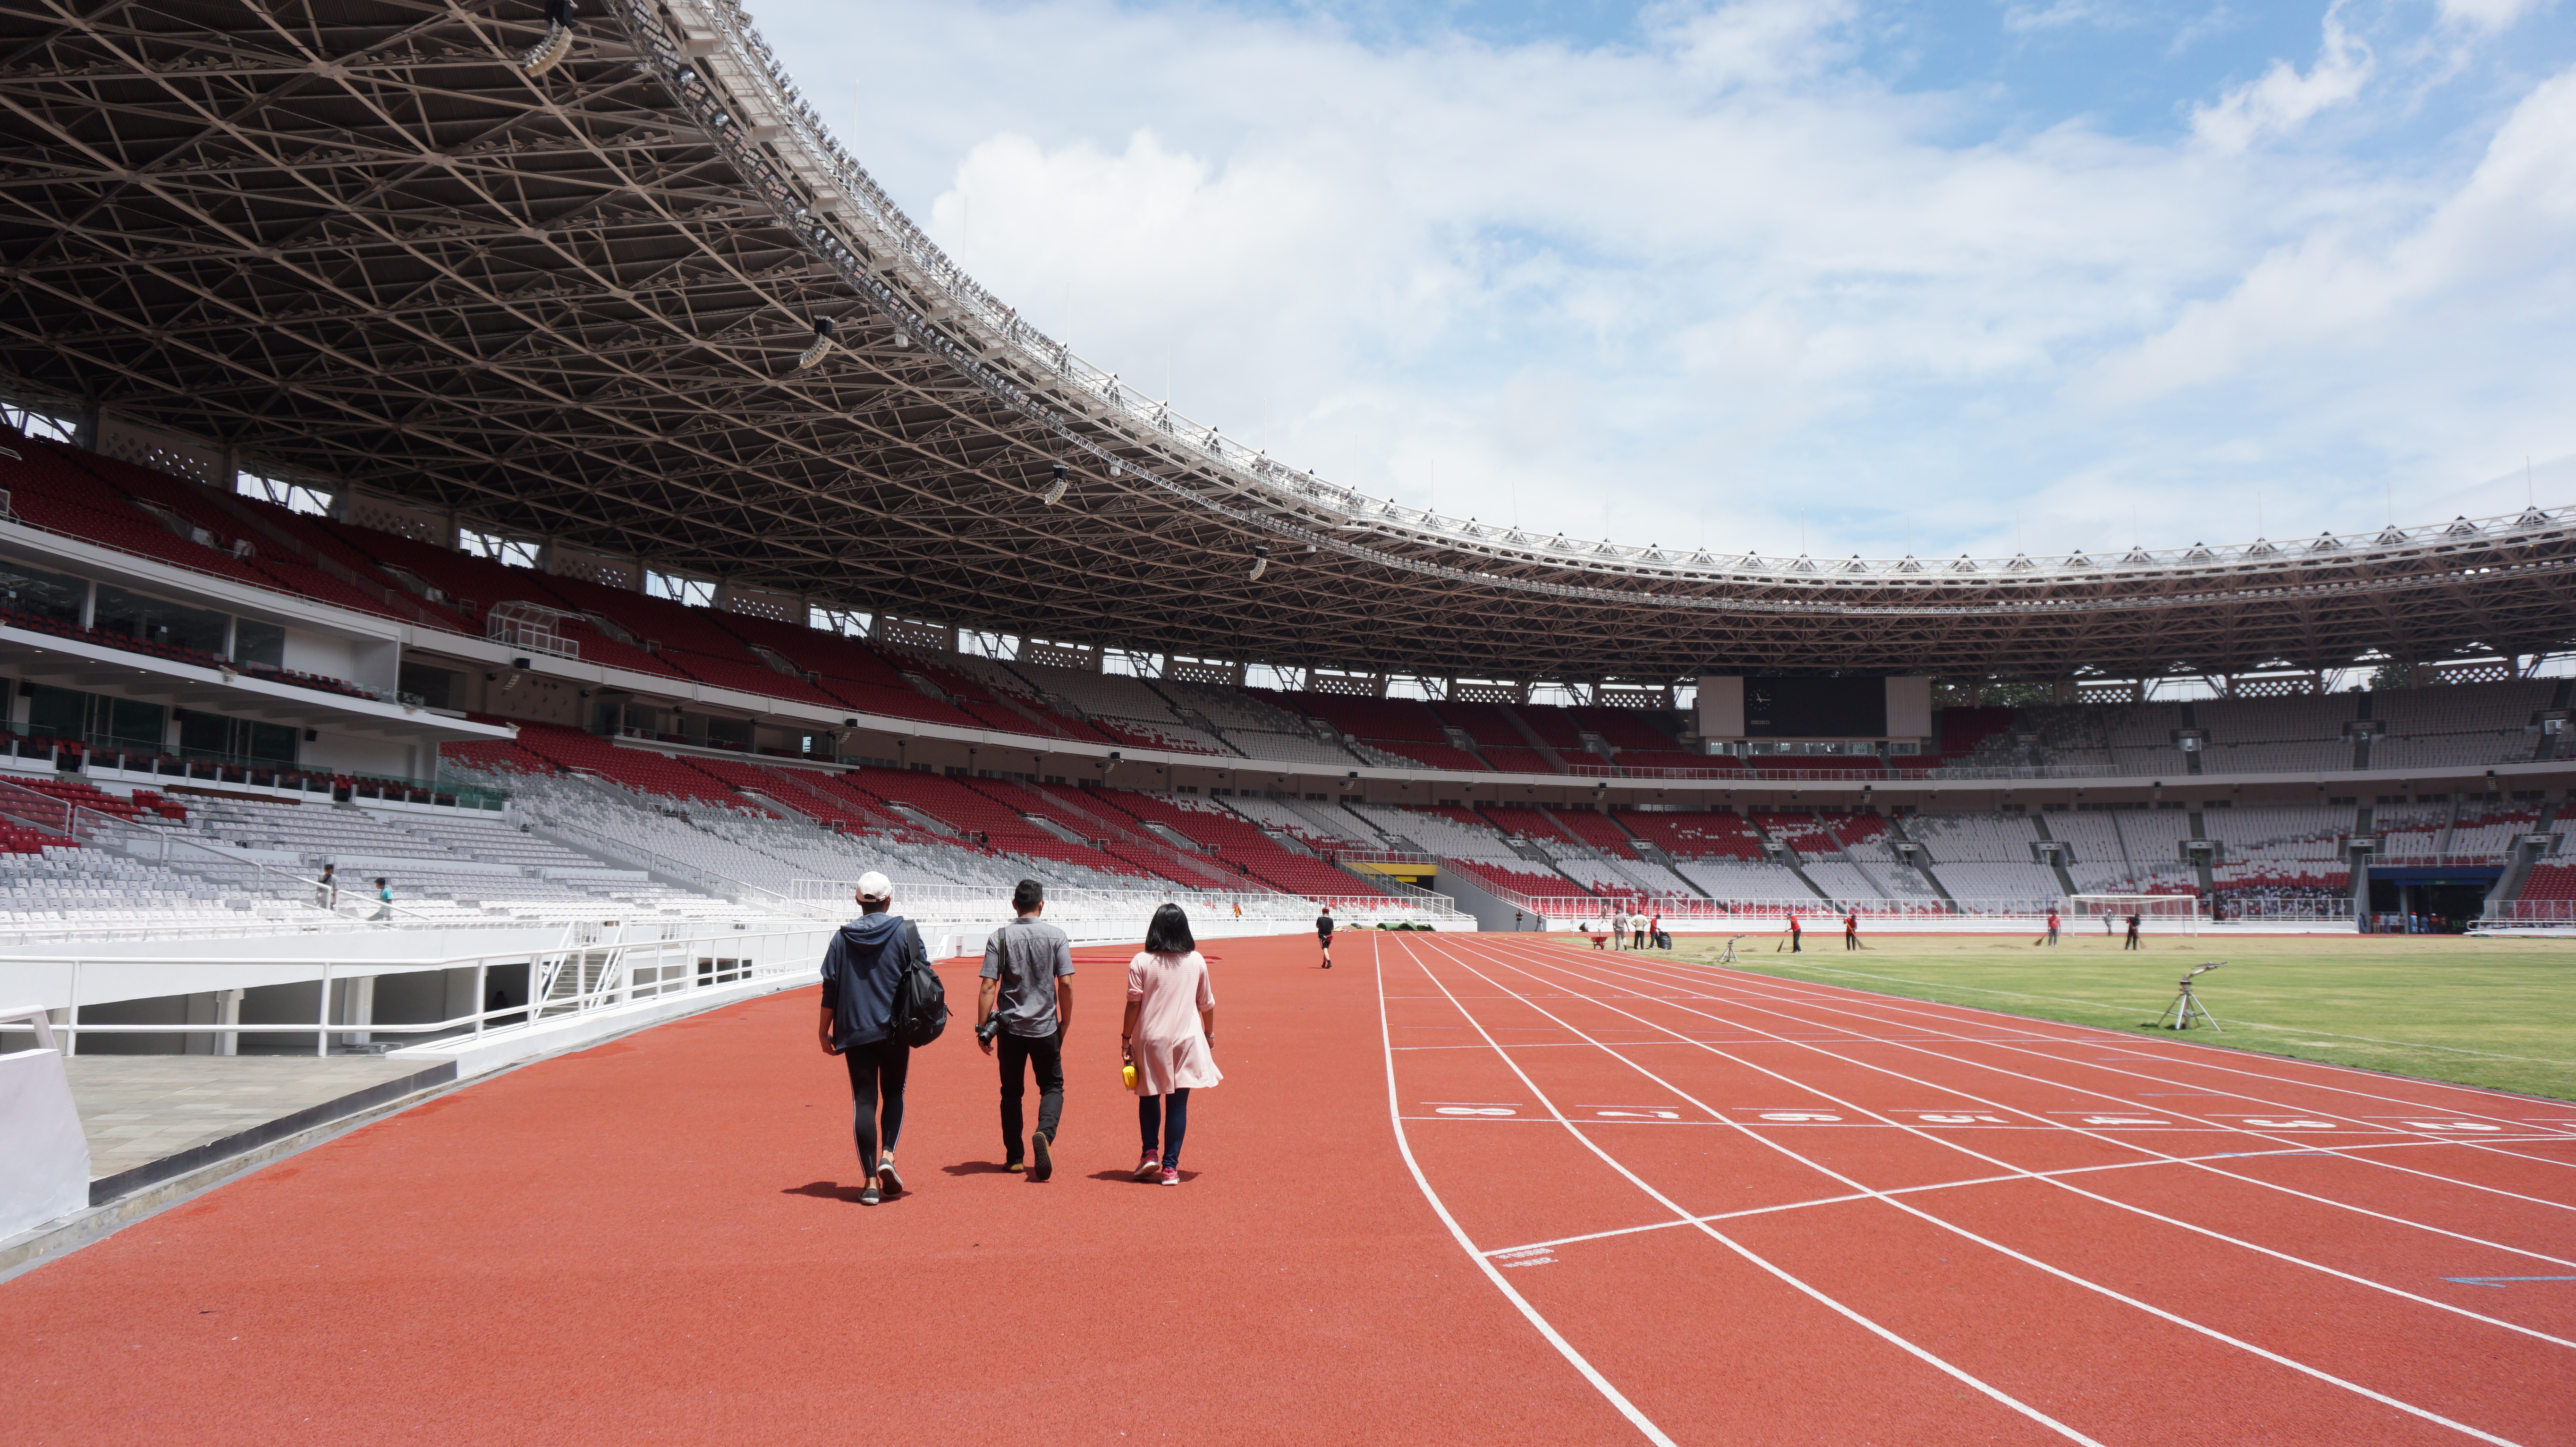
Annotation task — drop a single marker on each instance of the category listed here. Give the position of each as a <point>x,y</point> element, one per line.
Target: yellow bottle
<point>1129,1073</point>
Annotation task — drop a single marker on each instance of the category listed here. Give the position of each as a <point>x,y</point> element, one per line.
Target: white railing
<point>1124,913</point>
<point>532,626</point>
<point>590,967</point>
<point>2533,911</point>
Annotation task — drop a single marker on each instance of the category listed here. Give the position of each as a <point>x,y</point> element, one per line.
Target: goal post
<point>2157,913</point>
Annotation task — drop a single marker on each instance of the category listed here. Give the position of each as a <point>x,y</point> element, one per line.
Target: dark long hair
<point>1169,934</point>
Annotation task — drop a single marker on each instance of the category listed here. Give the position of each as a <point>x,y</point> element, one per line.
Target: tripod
<point>2186,1004</point>
<point>1729,957</point>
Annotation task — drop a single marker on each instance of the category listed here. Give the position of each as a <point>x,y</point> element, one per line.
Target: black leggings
<point>1170,1122</point>
<point>877,1070</point>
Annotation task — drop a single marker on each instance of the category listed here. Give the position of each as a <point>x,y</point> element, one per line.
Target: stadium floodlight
<point>548,53</point>
<point>822,344</point>
<point>1055,489</point>
<point>1260,562</point>
<point>902,340</point>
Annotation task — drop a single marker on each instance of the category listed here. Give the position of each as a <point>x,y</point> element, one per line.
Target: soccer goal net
<point>2157,913</point>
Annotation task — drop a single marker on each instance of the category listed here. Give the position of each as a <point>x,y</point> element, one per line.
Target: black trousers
<point>877,1071</point>
<point>1044,1055</point>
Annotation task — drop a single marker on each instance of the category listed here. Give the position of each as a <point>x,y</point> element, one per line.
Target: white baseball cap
<point>875,886</point>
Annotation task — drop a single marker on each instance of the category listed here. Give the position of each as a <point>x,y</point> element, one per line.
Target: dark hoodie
<point>860,970</point>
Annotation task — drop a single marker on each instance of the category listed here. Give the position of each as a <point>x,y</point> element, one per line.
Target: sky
<point>1831,277</point>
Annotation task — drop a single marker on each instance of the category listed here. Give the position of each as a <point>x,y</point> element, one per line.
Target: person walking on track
<point>1324,934</point>
<point>1170,1037</point>
<point>1028,996</point>
<point>861,968</point>
<point>2132,942</point>
<point>1851,929</point>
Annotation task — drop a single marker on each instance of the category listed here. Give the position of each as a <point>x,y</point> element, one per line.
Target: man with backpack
<point>1025,1003</point>
<point>880,999</point>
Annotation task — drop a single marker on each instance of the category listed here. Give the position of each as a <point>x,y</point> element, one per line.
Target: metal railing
<point>589,968</point>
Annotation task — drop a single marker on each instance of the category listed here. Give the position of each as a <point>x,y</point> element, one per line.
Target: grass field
<point>2497,1013</point>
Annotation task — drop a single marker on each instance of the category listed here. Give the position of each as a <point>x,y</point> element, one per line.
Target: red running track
<point>1463,1188</point>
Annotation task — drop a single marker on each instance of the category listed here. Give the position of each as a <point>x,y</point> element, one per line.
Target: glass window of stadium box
<point>205,735</point>
<point>434,687</point>
<point>95,719</point>
<point>158,621</point>
<point>50,596</point>
<point>257,642</point>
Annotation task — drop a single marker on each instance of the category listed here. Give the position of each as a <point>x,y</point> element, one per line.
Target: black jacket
<point>860,970</point>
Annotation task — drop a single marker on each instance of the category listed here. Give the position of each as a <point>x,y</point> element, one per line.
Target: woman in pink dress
<point>1170,1029</point>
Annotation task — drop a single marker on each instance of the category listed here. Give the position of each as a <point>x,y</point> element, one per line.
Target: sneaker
<point>1171,1175</point>
<point>1013,1166</point>
<point>1328,964</point>
<point>869,1197</point>
<point>1148,1167</point>
<point>887,1178</point>
<point>1044,1164</point>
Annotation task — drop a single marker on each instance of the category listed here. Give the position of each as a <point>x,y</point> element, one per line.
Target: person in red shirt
<point>1851,929</point>
<point>1794,933</point>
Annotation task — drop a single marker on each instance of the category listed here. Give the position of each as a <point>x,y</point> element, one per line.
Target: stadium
<point>516,458</point>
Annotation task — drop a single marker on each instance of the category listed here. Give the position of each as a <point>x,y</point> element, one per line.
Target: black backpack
<point>920,1010</point>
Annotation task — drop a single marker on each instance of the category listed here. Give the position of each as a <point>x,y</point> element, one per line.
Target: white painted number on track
<point>2256,1123</point>
<point>2450,1125</point>
<point>1795,1115</point>
<point>1638,1114</point>
<point>1477,1110</point>
<point>2123,1120</point>
<point>1962,1119</point>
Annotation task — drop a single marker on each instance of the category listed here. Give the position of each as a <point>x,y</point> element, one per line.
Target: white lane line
<point>1404,1146</point>
<point>1758,999</point>
<point>1685,1217</point>
<point>2217,1055</point>
<point>2113,1201</point>
<point>1892,1191</point>
<point>2061,1273</point>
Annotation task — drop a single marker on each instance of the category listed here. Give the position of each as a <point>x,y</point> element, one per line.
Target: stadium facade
<point>531,461</point>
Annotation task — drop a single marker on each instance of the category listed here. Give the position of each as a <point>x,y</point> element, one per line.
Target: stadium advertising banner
<point>1757,707</point>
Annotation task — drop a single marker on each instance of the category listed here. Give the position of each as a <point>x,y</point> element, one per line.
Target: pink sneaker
<point>1146,1168</point>
<point>1171,1175</point>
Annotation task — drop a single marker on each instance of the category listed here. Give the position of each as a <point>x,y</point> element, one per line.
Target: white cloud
<point>1723,272</point>
<point>2486,14</point>
<point>2283,99</point>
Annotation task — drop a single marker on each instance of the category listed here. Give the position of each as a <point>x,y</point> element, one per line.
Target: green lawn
<point>2499,1013</point>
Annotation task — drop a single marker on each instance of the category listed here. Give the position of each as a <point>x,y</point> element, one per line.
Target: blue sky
<point>1835,277</point>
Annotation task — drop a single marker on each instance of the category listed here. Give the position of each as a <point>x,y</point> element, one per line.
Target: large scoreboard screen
<point>1815,708</point>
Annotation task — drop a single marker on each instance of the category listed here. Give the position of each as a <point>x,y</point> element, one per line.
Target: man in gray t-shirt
<point>1026,1003</point>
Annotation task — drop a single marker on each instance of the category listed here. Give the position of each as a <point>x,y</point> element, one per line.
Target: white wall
<point>322,653</point>
<point>41,1139</point>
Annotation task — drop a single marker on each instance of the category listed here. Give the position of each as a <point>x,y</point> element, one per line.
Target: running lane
<point>2081,1306</point>
<point>658,1239</point>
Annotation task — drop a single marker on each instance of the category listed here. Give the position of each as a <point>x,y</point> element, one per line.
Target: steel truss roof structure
<point>361,239</point>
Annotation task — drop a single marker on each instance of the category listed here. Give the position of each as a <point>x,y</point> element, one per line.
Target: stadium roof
<point>362,239</point>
